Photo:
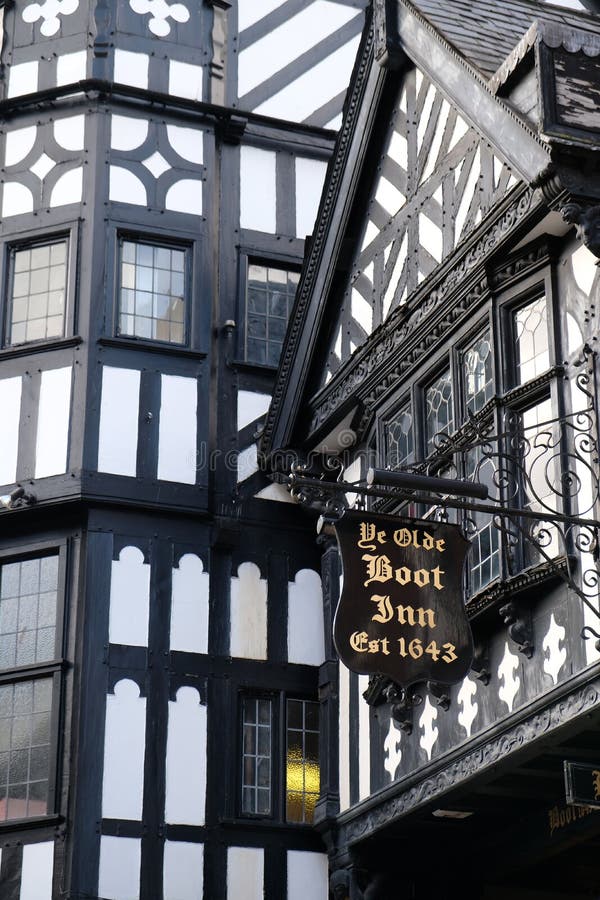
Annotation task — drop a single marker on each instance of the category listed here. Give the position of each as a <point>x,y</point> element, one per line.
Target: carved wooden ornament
<point>401,613</point>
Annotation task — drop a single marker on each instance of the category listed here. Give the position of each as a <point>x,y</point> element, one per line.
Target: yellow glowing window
<point>302,763</point>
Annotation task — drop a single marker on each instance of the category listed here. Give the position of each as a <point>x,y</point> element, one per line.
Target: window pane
<point>28,594</point>
<point>256,756</point>
<point>439,415</point>
<point>152,292</point>
<point>540,475</point>
<point>302,763</point>
<point>25,711</point>
<point>38,293</point>
<point>477,373</point>
<point>531,333</point>
<point>399,437</point>
<point>484,553</point>
<point>270,296</point>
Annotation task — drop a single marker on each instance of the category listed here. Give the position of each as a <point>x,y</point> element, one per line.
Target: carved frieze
<point>399,799</point>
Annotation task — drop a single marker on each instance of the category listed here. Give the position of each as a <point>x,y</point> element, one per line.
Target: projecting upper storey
<point>468,124</point>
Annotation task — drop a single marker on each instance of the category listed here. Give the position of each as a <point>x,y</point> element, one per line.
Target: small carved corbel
<point>481,663</point>
<point>519,628</point>
<point>440,692</point>
<point>587,225</point>
<point>402,704</point>
<point>339,884</point>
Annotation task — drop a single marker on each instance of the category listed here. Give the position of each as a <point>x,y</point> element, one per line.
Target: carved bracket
<point>519,628</point>
<point>480,664</point>
<point>440,692</point>
<point>587,225</point>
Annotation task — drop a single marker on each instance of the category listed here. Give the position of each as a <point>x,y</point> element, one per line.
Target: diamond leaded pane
<point>400,441</point>
<point>477,371</point>
<point>439,415</point>
<point>152,292</point>
<point>531,334</point>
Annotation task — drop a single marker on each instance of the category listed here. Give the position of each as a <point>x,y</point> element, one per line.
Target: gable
<point>438,179</point>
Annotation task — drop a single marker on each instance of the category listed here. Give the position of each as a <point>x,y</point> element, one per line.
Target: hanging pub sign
<point>401,612</point>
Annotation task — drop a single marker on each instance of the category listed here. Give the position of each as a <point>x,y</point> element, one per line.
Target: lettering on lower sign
<point>361,642</point>
<point>379,568</point>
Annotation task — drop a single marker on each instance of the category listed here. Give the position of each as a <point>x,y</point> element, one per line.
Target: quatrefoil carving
<point>160,12</point>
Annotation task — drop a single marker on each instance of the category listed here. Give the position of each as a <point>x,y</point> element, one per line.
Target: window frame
<point>279,699</point>
<point>31,239</point>
<point>154,239</point>
<point>54,669</point>
<point>248,257</point>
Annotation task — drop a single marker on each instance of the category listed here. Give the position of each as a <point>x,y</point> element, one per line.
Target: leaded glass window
<point>399,438</point>
<point>152,292</point>
<point>439,413</point>
<point>28,593</point>
<point>540,465</point>
<point>484,554</point>
<point>38,292</point>
<point>531,338</point>
<point>256,755</point>
<point>25,718</point>
<point>29,636</point>
<point>477,371</point>
<point>270,294</point>
<point>302,763</point>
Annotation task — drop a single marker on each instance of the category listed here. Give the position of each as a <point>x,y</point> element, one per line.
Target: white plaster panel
<point>52,443</point>
<point>10,405</point>
<point>247,463</point>
<point>119,876</point>
<point>248,613</point>
<point>160,13</point>
<point>245,873</point>
<point>42,166</point>
<point>277,493</point>
<point>131,68</point>
<point>288,41</point>
<point>258,193</point>
<point>185,196</point>
<point>362,311</point>
<point>310,175</point>
<point>23,78</point>
<point>306,643</point>
<point>469,707</point>
<point>364,740</point>
<point>428,730</point>
<point>430,237</point>
<point>555,651</point>
<point>37,870</point>
<point>183,871</point>
<point>185,797</point>
<point>49,11</point>
<point>585,269</point>
<point>250,407</point>
<point>307,875</point>
<point>119,410</point>
<point>392,750</point>
<point>507,675</point>
<point>16,199</point>
<point>251,11</point>
<point>189,606</point>
<point>19,143</point>
<point>125,187</point>
<point>70,132</point>
<point>129,599</point>
<point>185,80</point>
<point>324,81</point>
<point>344,731</point>
<point>124,747</point>
<point>186,142</point>
<point>177,429</point>
<point>71,67</point>
<point>127,132</point>
<point>68,188</point>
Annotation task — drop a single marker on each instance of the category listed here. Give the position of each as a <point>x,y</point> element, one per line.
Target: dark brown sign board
<point>582,784</point>
<point>401,612</point>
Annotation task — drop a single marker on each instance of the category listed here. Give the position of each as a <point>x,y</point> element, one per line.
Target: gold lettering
<point>421,577</point>
<point>425,618</point>
<point>553,819</point>
<point>385,611</point>
<point>596,777</point>
<point>358,641</point>
<point>368,535</point>
<point>378,569</point>
<point>404,537</point>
